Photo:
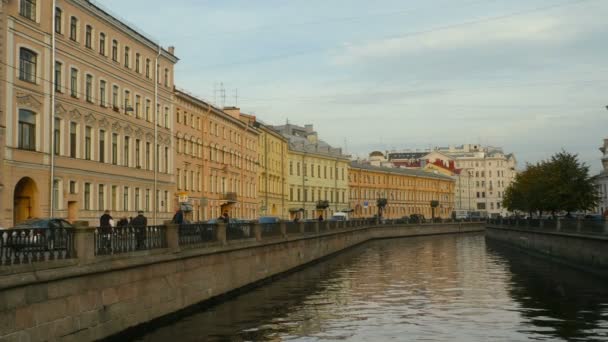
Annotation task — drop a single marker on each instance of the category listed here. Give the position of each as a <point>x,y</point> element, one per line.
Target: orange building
<point>406,191</point>
<point>215,160</point>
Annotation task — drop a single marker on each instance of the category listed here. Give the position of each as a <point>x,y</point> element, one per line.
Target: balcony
<point>322,205</point>
<point>229,197</point>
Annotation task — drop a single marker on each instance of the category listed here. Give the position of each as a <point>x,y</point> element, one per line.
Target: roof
<point>407,155</point>
<point>406,172</point>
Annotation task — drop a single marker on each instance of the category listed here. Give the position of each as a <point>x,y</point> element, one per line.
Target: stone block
<point>89,319</point>
<point>13,298</point>
<point>109,296</point>
<point>36,293</point>
<point>90,301</point>
<point>50,311</point>
<point>24,318</point>
<point>20,336</point>
<point>7,322</point>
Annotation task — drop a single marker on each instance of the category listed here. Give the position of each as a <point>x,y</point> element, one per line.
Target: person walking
<point>106,222</point>
<point>178,218</point>
<point>139,224</point>
<point>321,218</point>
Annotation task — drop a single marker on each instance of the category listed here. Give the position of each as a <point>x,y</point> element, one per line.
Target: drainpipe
<point>156,150</point>
<point>52,124</point>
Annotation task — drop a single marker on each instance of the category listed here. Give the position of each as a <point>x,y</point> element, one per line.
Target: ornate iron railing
<point>292,228</point>
<point>310,227</point>
<point>271,229</point>
<point>238,231</point>
<point>198,233</point>
<point>26,246</point>
<point>119,240</point>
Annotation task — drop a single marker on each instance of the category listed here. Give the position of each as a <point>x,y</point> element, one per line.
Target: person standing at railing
<point>105,224</point>
<point>140,223</point>
<point>178,218</point>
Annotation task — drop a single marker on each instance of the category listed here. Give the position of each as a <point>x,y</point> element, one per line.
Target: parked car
<point>339,216</point>
<point>595,217</point>
<point>417,218</point>
<point>268,219</point>
<point>43,234</point>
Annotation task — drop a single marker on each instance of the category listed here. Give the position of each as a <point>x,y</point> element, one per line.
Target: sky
<point>526,75</point>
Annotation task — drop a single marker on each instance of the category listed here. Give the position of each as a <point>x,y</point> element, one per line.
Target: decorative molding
<point>139,133</point>
<point>116,127</point>
<point>75,115</point>
<point>90,119</point>
<point>128,130</point>
<point>27,100</point>
<point>104,123</point>
<point>60,111</point>
<point>149,137</point>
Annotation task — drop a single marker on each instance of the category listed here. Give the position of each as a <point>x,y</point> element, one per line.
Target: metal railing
<point>559,225</point>
<point>27,246</point>
<point>271,229</point>
<point>292,228</point>
<point>198,233</point>
<point>238,231</point>
<point>310,227</point>
<point>119,240</point>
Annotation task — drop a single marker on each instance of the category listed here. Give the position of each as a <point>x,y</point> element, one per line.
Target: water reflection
<point>432,288</point>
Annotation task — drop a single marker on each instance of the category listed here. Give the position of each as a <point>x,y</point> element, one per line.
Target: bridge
<point>92,283</point>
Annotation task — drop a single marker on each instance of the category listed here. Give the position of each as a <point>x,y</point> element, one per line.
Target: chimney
<point>171,50</point>
<point>308,128</point>
<point>235,112</point>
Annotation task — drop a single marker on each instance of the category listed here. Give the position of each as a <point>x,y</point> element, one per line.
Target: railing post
<point>605,226</point>
<point>84,243</point>
<point>541,224</point>
<point>302,227</point>
<point>579,224</point>
<point>172,231</point>
<point>283,226</point>
<point>317,228</point>
<point>558,224</point>
<point>221,233</point>
<point>257,230</point>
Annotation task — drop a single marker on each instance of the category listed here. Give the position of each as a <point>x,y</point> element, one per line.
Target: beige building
<point>464,186</point>
<point>272,172</point>
<point>492,171</point>
<point>317,178</point>
<point>406,191</point>
<point>215,160</point>
<point>78,112</point>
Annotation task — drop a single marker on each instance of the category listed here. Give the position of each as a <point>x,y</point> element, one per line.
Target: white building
<point>602,181</point>
<point>491,170</point>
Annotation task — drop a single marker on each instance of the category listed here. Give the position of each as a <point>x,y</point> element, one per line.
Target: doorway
<point>25,201</point>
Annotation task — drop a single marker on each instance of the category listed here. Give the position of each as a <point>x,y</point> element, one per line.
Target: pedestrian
<point>178,218</point>
<point>139,224</point>
<point>321,218</point>
<point>225,217</point>
<point>106,222</point>
<point>122,223</point>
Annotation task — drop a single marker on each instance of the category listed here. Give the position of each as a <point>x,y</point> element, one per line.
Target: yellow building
<point>406,191</point>
<point>86,121</point>
<point>272,172</point>
<point>317,174</point>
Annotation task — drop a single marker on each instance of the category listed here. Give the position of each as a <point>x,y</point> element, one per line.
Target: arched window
<point>102,43</point>
<point>27,130</point>
<point>73,28</point>
<point>58,16</point>
<point>27,65</point>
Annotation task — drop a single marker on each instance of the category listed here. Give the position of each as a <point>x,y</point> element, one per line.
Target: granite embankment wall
<point>93,297</point>
<point>585,251</point>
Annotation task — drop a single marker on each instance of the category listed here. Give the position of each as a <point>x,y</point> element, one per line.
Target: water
<point>444,288</point>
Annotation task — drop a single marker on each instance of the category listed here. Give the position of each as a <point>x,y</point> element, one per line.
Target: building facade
<point>216,160</point>
<point>316,174</point>
<point>406,191</point>
<point>492,171</point>
<point>602,181</point>
<point>272,172</point>
<point>88,123</point>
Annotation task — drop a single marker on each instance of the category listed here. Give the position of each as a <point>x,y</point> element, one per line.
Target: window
<point>57,137</point>
<point>102,44</point>
<point>114,148</point>
<point>127,55</point>
<point>87,142</point>
<point>127,102</point>
<point>166,117</point>
<point>147,67</point>
<point>115,97</point>
<point>88,37</point>
<point>101,197</point>
<point>73,129</point>
<point>137,199</point>
<point>27,65</point>
<point>137,153</point>
<point>114,50</point>
<point>88,89</point>
<point>147,156</point>
<point>126,152</point>
<point>138,106</point>
<point>73,28</point>
<point>125,198</point>
<point>166,160</point>
<point>102,93</point>
<point>58,67</point>
<point>148,104</point>
<point>56,190</point>
<point>166,77</point>
<point>114,203</point>
<point>28,9</point>
<point>58,15</point>
<point>147,200</point>
<point>87,196</point>
<point>74,82</point>
<point>102,146</point>
<point>27,130</point>
<point>137,62</point>
<point>72,187</point>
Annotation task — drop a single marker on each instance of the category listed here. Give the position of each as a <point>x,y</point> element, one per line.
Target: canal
<point>441,288</point>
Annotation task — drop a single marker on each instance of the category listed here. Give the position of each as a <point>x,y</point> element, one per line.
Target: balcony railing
<point>230,197</point>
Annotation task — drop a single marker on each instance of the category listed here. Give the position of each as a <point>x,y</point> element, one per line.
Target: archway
<point>26,204</point>
<point>273,211</point>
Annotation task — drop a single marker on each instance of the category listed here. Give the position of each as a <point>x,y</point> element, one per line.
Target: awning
<point>295,210</point>
<point>347,210</point>
<point>185,207</point>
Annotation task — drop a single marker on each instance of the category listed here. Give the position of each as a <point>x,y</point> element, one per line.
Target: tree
<point>561,183</point>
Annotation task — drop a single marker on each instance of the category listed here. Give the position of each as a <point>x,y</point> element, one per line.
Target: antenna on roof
<point>223,94</point>
<point>236,97</point>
